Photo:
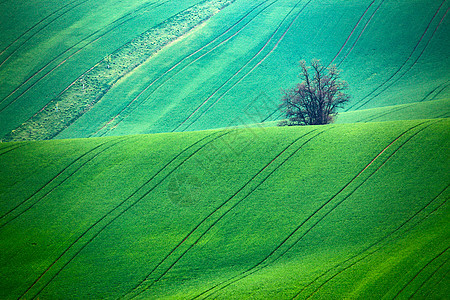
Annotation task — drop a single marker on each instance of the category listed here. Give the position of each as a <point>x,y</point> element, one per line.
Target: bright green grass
<point>392,52</point>
<point>350,210</point>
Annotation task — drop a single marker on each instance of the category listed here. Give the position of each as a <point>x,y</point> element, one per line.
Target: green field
<point>354,210</point>
<point>218,72</point>
<point>140,157</point>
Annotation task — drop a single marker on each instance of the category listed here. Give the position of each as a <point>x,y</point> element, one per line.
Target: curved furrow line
<point>145,46</point>
<point>351,33</point>
<point>209,227</point>
<point>51,180</point>
<point>367,23</point>
<point>254,67</point>
<point>423,268</point>
<point>409,68</point>
<point>431,290</point>
<point>440,91</point>
<point>9,149</point>
<point>53,188</point>
<point>378,242</point>
<point>38,31</point>
<point>406,60</point>
<point>73,47</point>
<point>214,212</point>
<point>429,277</point>
<point>384,114</point>
<point>111,211</point>
<point>35,25</point>
<point>100,230</point>
<point>407,106</point>
<point>434,90</point>
<point>242,68</point>
<point>259,266</point>
<point>360,34</point>
<point>172,68</point>
<point>386,236</point>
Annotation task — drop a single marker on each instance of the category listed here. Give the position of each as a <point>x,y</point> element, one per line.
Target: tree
<point>315,100</point>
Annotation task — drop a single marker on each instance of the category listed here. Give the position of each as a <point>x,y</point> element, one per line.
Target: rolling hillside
<point>140,157</point>
<point>86,68</point>
<point>350,210</point>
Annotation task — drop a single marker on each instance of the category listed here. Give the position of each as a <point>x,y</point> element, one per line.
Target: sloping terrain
<point>349,210</point>
<point>225,68</point>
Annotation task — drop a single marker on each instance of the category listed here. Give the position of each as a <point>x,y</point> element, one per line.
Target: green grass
<point>357,209</point>
<point>348,210</point>
<point>91,86</point>
<point>48,57</point>
<point>222,73</point>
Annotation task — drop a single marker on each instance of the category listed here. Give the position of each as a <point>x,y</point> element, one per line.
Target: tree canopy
<point>316,99</point>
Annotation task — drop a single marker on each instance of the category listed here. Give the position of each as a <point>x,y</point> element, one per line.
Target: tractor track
<point>57,185</point>
<point>431,290</point>
<point>172,68</point>
<point>9,150</point>
<point>409,68</point>
<point>219,135</point>
<point>429,277</point>
<point>225,212</point>
<point>45,26</point>
<point>351,33</point>
<point>259,265</point>
<point>388,235</point>
<point>420,271</point>
<point>73,47</point>
<point>440,91</point>
<point>34,26</point>
<point>341,49</point>
<point>383,239</point>
<point>244,66</point>
<point>403,64</point>
<point>361,33</point>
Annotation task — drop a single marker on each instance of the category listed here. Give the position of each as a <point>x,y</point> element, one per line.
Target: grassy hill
<point>85,68</point>
<point>217,202</point>
<point>348,210</point>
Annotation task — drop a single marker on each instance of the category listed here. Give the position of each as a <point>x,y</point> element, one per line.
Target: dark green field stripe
<point>403,64</point>
<point>231,208</point>
<point>260,265</point>
<point>201,114</point>
<point>218,135</point>
<point>420,271</point>
<point>40,29</point>
<point>56,186</point>
<point>35,25</point>
<point>386,236</point>
<point>173,67</point>
<point>73,47</point>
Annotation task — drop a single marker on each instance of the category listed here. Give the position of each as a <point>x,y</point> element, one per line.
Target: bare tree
<point>314,101</point>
